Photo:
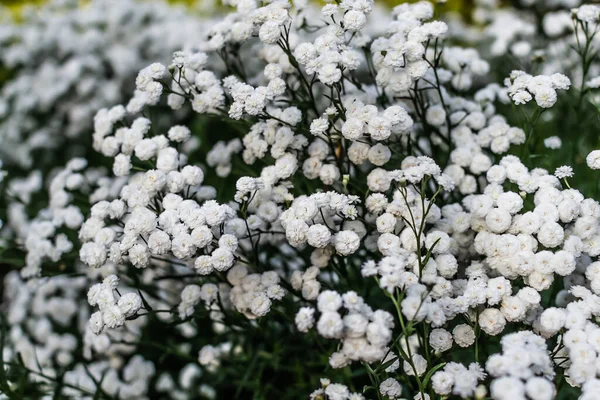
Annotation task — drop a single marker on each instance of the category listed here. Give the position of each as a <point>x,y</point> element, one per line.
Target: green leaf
<point>383,366</point>
<point>431,372</point>
<point>366,388</point>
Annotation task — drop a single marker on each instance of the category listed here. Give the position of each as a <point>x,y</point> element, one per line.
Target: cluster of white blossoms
<point>219,157</point>
<point>508,31</point>
<point>311,220</point>
<point>332,178</point>
<point>328,55</point>
<point>459,380</point>
<point>399,58</point>
<point>158,212</point>
<point>36,320</point>
<point>334,391</point>
<point>44,237</point>
<point>210,356</point>
<point>523,368</point>
<point>580,338</point>
<point>69,61</point>
<point>131,385</point>
<point>253,294</point>
<point>523,87</point>
<point>498,136</point>
<point>23,188</point>
<point>113,311</point>
<point>191,296</point>
<point>365,334</point>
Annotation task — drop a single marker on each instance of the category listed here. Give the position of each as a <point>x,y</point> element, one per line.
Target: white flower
<point>436,115</point>
<point>329,74</point>
<point>492,321</point>
<point>96,323</point>
<point>191,294</point>
<point>330,325</point>
<point>222,259</point>
<point>122,165</point>
<point>192,175</point>
<point>390,388</point>
<point>260,305</point>
<point>329,174</point>
<point>318,235</point>
<point>440,340</point>
<point>179,133</point>
<point>588,13</point>
<point>305,319</point>
<point>129,303</point>
<point>521,97</point>
<point>296,232</point>
<point>552,320</point>
<point>353,128</point>
<point>159,242</point>
<point>201,236</point>
<point>463,335</point>
<point>139,255</point>
<point>346,242</point>
<point>113,317</point>
<point>593,159</point>
<point>545,97</point>
<point>498,220</point>
<point>336,391</point>
<point>417,366</point>
<point>319,126</point>
<point>93,254</point>
<point>538,388</point>
<point>329,300</point>
<point>442,382</point>
<point>305,52</point>
<point>269,32</point>
<point>167,159</point>
<point>553,142</point>
<point>354,20</point>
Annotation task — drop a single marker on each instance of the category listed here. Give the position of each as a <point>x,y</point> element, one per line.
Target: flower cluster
<point>38,316</point>
<point>341,178</point>
<point>523,87</point>
<point>69,61</point>
<point>457,379</point>
<point>524,367</point>
<point>113,311</point>
<point>334,391</point>
<point>42,239</point>
<point>364,333</point>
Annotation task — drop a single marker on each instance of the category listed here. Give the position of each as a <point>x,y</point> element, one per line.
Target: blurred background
<point>207,5</point>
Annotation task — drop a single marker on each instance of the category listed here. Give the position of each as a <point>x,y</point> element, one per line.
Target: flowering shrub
<point>334,203</point>
<point>66,62</point>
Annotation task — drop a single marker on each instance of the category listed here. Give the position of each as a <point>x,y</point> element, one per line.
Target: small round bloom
<point>129,303</point>
<point>346,242</point>
<point>354,20</point>
<point>390,388</point>
<point>463,335</point>
<point>564,172</point>
<point>318,236</point>
<point>593,159</point>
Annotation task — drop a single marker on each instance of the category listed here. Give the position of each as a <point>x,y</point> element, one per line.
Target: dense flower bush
<point>65,62</point>
<point>336,202</point>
